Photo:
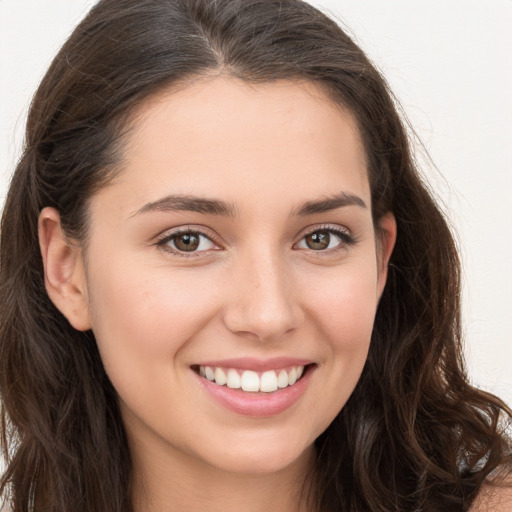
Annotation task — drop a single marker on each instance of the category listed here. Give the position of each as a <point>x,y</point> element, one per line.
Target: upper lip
<point>259,365</point>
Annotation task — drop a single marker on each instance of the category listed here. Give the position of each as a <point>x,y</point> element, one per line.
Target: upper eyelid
<point>346,238</point>
<point>200,230</point>
<point>322,227</point>
<point>162,243</point>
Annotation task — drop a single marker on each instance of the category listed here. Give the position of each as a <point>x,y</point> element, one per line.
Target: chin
<point>263,456</point>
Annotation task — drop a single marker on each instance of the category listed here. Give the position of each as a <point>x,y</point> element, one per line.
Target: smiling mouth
<point>251,381</point>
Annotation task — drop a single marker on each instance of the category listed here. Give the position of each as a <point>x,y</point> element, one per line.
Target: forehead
<point>223,136</point>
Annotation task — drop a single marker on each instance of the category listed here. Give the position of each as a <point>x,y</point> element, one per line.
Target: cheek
<point>345,306</point>
<point>344,312</point>
<point>143,322</point>
<point>143,319</point>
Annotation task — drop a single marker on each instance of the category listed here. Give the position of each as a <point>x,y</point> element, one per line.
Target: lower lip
<point>257,404</point>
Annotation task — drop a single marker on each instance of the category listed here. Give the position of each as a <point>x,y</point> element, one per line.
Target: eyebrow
<point>190,204</point>
<point>222,208</point>
<point>330,203</point>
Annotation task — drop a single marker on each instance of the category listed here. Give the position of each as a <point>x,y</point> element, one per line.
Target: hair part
<point>414,434</point>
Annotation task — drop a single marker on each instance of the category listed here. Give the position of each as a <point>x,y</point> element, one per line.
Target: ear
<point>386,238</point>
<point>64,273</point>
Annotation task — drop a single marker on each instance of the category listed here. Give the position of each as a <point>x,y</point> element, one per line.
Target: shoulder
<point>494,497</point>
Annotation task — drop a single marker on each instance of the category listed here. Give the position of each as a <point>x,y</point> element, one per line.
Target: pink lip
<point>257,365</point>
<point>257,404</point>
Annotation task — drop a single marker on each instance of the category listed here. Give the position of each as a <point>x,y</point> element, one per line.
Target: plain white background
<point>449,63</point>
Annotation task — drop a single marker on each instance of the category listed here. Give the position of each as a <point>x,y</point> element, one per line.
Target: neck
<point>188,484</point>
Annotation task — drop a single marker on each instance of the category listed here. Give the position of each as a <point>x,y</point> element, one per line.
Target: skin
<point>495,496</point>
<point>256,290</point>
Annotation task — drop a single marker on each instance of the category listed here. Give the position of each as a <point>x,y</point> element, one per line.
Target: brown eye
<point>186,242</point>
<point>326,239</point>
<point>318,241</point>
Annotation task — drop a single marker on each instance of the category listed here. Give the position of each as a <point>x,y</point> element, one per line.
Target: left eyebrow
<point>330,203</point>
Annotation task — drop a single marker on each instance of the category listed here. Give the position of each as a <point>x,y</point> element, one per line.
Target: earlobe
<point>64,274</point>
<point>385,244</point>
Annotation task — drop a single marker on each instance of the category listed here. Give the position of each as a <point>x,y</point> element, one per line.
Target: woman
<point>183,329</point>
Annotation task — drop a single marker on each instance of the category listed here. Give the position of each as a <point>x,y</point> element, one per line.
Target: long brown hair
<point>413,436</point>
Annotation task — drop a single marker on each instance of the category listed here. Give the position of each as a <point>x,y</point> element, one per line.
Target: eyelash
<point>345,237</point>
<point>168,237</point>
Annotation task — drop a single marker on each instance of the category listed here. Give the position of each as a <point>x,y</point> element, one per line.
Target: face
<point>237,244</point>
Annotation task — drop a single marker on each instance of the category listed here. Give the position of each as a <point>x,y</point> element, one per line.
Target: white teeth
<point>268,382</point>
<point>282,380</point>
<point>234,381</point>
<point>220,377</point>
<point>209,373</point>
<point>251,381</point>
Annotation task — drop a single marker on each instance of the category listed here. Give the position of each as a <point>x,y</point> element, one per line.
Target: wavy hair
<point>413,436</point>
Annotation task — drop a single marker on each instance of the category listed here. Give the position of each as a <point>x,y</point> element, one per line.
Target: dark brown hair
<point>413,436</point>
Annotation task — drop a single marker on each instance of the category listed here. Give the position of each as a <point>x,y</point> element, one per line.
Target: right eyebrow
<point>188,203</point>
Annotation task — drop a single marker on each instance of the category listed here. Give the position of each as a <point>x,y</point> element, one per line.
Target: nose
<point>263,304</point>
